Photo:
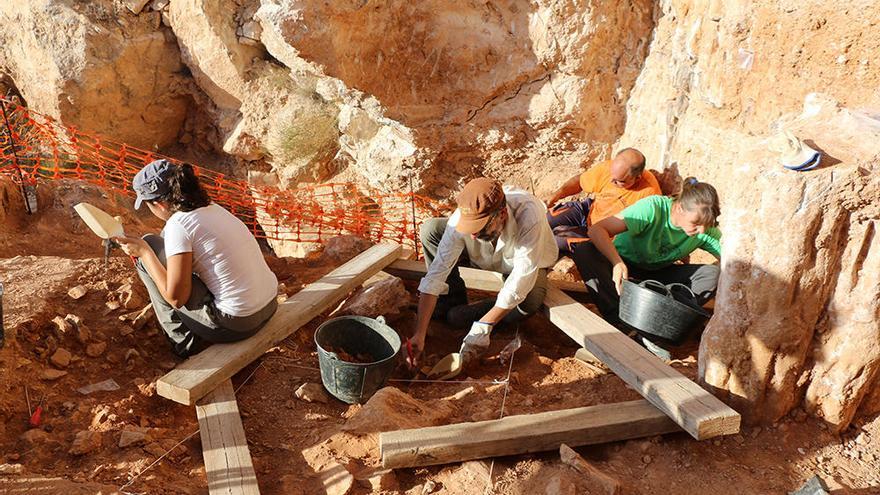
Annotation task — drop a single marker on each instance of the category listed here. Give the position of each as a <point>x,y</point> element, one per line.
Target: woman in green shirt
<point>648,238</point>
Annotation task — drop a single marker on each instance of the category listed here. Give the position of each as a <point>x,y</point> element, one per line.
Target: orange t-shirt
<point>609,199</point>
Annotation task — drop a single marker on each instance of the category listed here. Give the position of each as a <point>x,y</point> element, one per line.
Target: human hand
<point>476,342</point>
<point>550,202</point>
<point>416,346</point>
<point>618,274</point>
<point>132,246</point>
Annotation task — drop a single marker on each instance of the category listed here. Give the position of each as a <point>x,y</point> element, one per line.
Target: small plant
<point>308,131</point>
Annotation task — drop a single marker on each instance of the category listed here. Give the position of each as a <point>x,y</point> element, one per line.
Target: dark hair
<point>700,197</point>
<point>637,167</point>
<point>186,192</point>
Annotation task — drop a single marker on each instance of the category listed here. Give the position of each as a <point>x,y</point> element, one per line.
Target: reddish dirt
<point>45,256</point>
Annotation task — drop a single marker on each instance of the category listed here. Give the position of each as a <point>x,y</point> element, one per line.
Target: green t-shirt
<point>652,242</point>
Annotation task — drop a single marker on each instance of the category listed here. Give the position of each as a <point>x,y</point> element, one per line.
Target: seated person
<point>207,279</point>
<point>611,185</point>
<point>498,229</point>
<point>648,238</point>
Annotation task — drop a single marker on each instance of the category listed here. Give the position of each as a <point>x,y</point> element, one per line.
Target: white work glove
<point>476,342</point>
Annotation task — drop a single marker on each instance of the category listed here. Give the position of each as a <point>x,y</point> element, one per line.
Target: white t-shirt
<point>226,258</point>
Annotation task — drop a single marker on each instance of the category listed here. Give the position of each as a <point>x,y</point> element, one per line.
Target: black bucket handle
<point>656,284</point>
<point>667,291</point>
<point>685,287</point>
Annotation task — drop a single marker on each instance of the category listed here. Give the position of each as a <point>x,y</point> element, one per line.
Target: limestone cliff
<point>381,92</point>
<point>797,312</point>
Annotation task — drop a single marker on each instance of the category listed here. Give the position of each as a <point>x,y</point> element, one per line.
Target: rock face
<point>96,66</point>
<point>454,85</point>
<point>796,312</point>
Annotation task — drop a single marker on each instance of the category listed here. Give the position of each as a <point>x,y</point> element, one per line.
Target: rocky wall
<point>796,317</point>
<point>96,66</point>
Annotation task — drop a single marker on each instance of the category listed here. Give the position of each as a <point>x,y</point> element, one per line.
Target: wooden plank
<point>697,411</point>
<point>474,278</point>
<point>522,434</point>
<point>198,375</point>
<point>228,464</point>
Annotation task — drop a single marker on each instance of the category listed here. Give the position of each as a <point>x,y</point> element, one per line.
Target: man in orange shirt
<point>611,186</point>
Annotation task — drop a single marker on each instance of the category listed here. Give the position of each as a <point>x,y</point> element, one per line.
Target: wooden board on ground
<point>474,278</point>
<point>228,464</point>
<point>200,374</point>
<point>522,434</point>
<point>696,410</point>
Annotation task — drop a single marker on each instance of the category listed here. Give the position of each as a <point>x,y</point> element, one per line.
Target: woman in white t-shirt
<point>205,274</point>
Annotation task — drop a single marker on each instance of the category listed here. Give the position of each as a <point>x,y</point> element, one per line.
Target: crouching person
<point>648,238</point>
<point>494,228</point>
<point>206,276</point>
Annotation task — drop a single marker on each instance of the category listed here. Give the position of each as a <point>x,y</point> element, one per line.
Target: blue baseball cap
<point>151,182</point>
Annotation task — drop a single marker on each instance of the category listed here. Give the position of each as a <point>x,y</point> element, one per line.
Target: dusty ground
<point>289,438</point>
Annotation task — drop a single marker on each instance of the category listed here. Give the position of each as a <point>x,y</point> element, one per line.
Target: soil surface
<point>82,443</point>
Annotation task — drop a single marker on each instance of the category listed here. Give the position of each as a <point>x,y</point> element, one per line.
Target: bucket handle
<point>380,319</point>
<point>653,283</point>
<point>685,287</point>
<point>693,296</point>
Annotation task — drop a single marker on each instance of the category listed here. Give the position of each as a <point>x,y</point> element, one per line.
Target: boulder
<point>345,247</point>
<point>130,437</point>
<point>51,375</point>
<point>61,358</point>
<point>312,392</point>
<point>77,292</point>
<point>85,442</point>
<point>389,409</point>
<point>34,437</point>
<point>96,349</point>
<point>383,298</point>
<point>90,73</point>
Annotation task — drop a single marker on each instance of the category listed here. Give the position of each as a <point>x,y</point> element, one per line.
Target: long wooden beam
<point>697,411</point>
<point>474,278</point>
<point>228,464</point>
<point>200,374</point>
<point>522,434</point>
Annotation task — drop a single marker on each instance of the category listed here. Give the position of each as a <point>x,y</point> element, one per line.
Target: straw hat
<point>793,153</point>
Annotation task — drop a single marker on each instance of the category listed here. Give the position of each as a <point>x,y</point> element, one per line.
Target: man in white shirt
<point>498,229</point>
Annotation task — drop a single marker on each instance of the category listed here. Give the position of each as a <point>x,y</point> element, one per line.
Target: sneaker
<point>654,348</point>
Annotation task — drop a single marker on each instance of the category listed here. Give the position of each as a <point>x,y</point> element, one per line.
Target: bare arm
<point>569,188</point>
<point>174,282</point>
<point>601,234</point>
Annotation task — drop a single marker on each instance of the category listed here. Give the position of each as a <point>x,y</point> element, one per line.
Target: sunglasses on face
<point>484,232</point>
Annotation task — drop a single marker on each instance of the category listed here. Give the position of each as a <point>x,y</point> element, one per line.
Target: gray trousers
<point>432,232</point>
<point>198,323</point>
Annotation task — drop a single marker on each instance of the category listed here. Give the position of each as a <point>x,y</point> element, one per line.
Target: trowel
<point>447,368</point>
<point>102,224</point>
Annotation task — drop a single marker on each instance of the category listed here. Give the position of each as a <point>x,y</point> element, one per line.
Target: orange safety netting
<point>35,147</point>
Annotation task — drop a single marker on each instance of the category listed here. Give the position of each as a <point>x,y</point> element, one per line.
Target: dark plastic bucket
<point>356,335</point>
<point>666,311</point>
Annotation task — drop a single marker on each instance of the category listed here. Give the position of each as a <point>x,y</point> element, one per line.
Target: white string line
<point>489,484</point>
<point>132,479</point>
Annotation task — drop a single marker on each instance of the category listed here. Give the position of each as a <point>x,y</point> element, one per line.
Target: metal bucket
<point>356,335</point>
<point>666,311</point>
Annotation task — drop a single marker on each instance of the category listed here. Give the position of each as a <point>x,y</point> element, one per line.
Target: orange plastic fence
<point>34,147</point>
